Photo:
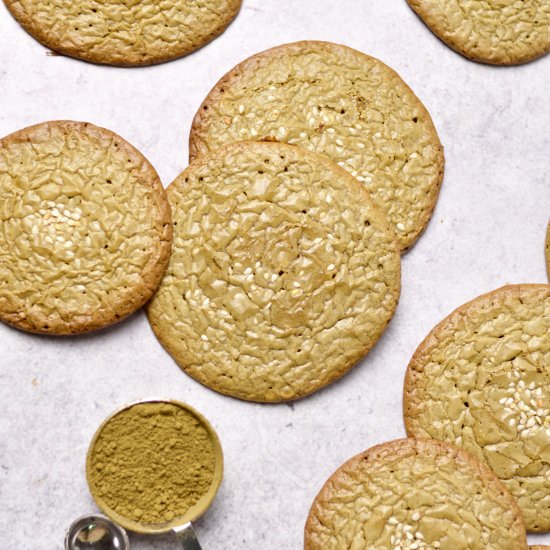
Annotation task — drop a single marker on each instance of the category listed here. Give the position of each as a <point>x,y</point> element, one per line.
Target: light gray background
<point>487,230</point>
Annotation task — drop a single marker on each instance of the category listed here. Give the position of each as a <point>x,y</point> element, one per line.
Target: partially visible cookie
<point>492,31</point>
<point>283,273</point>
<point>539,547</point>
<point>85,228</point>
<point>339,102</point>
<point>125,33</point>
<point>548,250</point>
<point>414,494</point>
<point>481,380</point>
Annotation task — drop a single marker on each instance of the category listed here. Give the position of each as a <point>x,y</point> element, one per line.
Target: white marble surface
<point>488,229</point>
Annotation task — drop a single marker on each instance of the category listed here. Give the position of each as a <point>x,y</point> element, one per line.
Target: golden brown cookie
<point>414,494</point>
<point>283,273</point>
<point>539,547</point>
<point>85,228</point>
<point>124,33</point>
<point>342,103</point>
<point>500,32</point>
<point>481,380</point>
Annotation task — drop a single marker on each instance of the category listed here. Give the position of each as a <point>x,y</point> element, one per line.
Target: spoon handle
<point>187,536</point>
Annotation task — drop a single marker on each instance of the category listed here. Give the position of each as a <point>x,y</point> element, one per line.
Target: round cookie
<point>126,33</point>
<point>283,273</point>
<point>85,228</point>
<point>339,102</point>
<point>414,494</point>
<point>492,31</point>
<point>481,380</point>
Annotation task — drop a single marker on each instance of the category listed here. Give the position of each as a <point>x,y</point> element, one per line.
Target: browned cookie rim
<point>45,37</point>
<point>431,340</point>
<point>152,276</point>
<point>418,446</point>
<point>501,62</point>
<point>263,57</point>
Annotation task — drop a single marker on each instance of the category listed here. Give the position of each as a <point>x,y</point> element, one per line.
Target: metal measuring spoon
<point>181,527</point>
<point>96,532</point>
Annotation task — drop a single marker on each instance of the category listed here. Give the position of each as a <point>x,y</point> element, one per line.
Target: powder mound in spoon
<point>151,463</point>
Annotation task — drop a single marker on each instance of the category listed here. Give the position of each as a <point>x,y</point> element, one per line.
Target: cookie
<point>125,33</point>
<point>481,380</point>
<point>493,31</point>
<point>283,273</point>
<point>339,102</point>
<point>414,494</point>
<point>85,228</point>
<point>539,547</point>
<point>548,250</point>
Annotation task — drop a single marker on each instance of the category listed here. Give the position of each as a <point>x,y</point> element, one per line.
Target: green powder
<point>152,462</point>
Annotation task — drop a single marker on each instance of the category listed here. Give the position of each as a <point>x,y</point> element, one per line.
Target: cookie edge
<point>154,275</point>
<point>410,387</point>
<point>251,62</point>
<point>406,447</point>
<point>499,62</point>
<point>43,37</point>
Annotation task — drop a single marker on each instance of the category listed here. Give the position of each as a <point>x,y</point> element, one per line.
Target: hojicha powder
<point>151,462</point>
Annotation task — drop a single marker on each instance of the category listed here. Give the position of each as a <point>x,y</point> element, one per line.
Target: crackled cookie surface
<point>333,100</point>
<point>126,32</point>
<point>414,494</point>
<point>501,32</point>
<point>481,380</point>
<point>283,273</point>
<point>85,228</point>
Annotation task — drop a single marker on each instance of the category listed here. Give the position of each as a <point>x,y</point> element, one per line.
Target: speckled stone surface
<point>488,229</point>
